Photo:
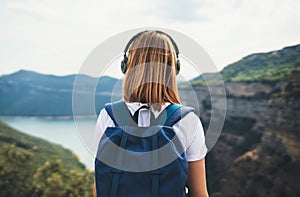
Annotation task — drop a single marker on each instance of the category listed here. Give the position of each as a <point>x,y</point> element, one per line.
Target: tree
<point>14,171</point>
<point>52,179</point>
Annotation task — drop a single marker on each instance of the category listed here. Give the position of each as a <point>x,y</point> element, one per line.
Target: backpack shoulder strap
<point>172,114</point>
<point>119,113</point>
<point>177,114</point>
<point>121,116</point>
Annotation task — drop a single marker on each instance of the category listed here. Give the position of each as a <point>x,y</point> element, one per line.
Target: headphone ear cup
<point>177,67</point>
<point>124,65</point>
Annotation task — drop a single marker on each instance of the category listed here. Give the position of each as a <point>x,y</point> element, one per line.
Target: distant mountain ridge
<point>28,93</point>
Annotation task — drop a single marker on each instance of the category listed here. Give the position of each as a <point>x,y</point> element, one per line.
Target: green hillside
<point>30,166</point>
<point>270,66</point>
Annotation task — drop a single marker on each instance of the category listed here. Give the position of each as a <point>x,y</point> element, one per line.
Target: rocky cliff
<point>258,151</point>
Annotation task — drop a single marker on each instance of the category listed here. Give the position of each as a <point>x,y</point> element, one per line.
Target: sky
<point>56,36</point>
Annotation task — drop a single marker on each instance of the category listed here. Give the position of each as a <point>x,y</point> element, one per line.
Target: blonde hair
<point>151,70</point>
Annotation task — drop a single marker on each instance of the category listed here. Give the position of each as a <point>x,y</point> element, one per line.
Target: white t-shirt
<point>189,129</point>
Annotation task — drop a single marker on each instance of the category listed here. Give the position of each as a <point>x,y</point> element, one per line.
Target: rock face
<point>258,151</point>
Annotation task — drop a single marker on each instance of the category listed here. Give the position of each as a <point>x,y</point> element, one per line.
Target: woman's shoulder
<point>104,120</point>
<point>190,124</point>
<point>103,115</point>
<point>190,119</point>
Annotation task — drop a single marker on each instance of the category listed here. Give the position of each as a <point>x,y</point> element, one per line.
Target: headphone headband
<point>138,34</point>
<point>125,59</point>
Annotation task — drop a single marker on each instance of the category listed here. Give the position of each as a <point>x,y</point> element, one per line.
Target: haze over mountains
<point>27,93</point>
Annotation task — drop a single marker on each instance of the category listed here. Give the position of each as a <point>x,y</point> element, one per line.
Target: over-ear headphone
<point>124,62</point>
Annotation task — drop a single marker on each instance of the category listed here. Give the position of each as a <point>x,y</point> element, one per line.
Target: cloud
<point>179,10</point>
<point>31,8</point>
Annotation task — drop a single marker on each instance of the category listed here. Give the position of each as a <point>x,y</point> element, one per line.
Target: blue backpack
<point>137,161</point>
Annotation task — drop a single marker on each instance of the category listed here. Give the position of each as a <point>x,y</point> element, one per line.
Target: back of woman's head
<point>151,70</point>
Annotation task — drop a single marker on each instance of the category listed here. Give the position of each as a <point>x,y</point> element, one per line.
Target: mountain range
<point>27,93</point>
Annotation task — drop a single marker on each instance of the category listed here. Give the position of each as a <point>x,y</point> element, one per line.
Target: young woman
<point>150,66</point>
